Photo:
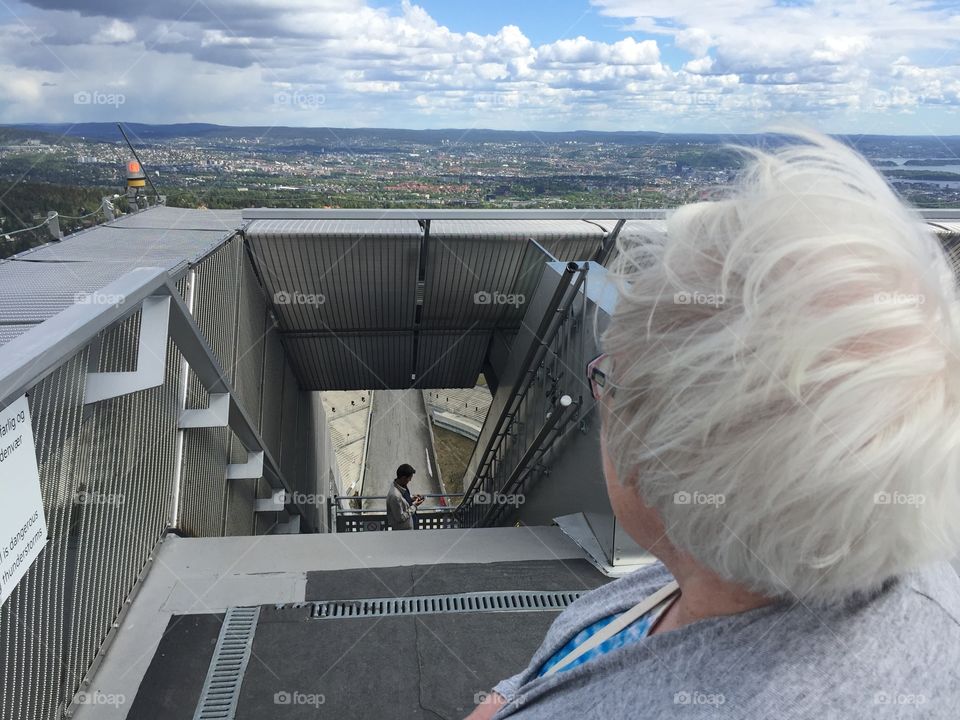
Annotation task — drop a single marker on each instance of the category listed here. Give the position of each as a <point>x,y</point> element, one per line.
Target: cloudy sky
<point>862,66</point>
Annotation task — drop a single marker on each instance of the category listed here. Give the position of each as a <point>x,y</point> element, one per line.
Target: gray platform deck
<point>158,660</point>
<point>426,666</point>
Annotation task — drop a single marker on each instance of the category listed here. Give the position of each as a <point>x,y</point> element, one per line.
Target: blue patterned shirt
<point>630,634</point>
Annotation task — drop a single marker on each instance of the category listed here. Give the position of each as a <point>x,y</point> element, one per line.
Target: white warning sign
<point>23,527</point>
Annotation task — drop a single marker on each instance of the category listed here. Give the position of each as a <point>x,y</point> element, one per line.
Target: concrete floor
<point>398,434</point>
<point>204,576</point>
<point>425,666</point>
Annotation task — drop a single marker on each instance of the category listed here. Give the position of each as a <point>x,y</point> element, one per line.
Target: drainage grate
<point>531,601</point>
<point>221,689</point>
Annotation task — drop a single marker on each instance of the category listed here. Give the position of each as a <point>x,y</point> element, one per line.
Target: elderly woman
<point>780,407</point>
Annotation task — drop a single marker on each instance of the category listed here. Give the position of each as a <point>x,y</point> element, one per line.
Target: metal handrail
<point>449,214</point>
<point>563,296</point>
<point>432,509</point>
<point>37,353</point>
<point>384,497</point>
<point>29,358</point>
<point>556,420</point>
<point>347,519</point>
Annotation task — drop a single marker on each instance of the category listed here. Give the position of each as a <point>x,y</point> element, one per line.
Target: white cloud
<point>699,66</point>
<point>116,32</point>
<point>679,65</point>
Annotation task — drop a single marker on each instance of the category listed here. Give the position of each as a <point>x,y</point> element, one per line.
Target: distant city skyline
<point>856,66</point>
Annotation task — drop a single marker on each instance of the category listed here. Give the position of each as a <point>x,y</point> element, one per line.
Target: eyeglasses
<point>599,372</point>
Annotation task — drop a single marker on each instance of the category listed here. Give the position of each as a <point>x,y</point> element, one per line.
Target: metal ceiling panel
<point>469,277</point>
<point>352,362</point>
<point>565,239</point>
<point>476,274</point>
<point>451,360</point>
<point>341,275</point>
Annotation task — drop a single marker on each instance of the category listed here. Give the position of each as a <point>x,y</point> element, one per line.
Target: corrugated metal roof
<point>345,292</point>
<point>349,362</point>
<point>338,275</point>
<point>267,229</point>
<point>565,239</point>
<point>451,360</point>
<point>469,280</point>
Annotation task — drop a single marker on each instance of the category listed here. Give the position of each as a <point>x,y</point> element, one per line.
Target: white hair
<point>787,377</point>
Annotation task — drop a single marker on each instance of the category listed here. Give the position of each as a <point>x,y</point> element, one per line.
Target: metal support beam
<point>419,297</point>
<point>252,469</point>
<point>151,357</point>
<point>217,414</point>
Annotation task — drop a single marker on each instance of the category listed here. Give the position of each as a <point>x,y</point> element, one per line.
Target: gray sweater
<point>399,511</point>
<point>893,654</point>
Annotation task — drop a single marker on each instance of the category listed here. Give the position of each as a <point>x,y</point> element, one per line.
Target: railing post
<point>53,225</point>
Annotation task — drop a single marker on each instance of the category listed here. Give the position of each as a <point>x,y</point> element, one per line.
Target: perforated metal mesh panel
<point>207,450</point>
<point>289,422</point>
<point>248,383</point>
<point>271,406</point>
<point>33,631</point>
<point>109,472</point>
<point>272,399</point>
<point>124,493</point>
